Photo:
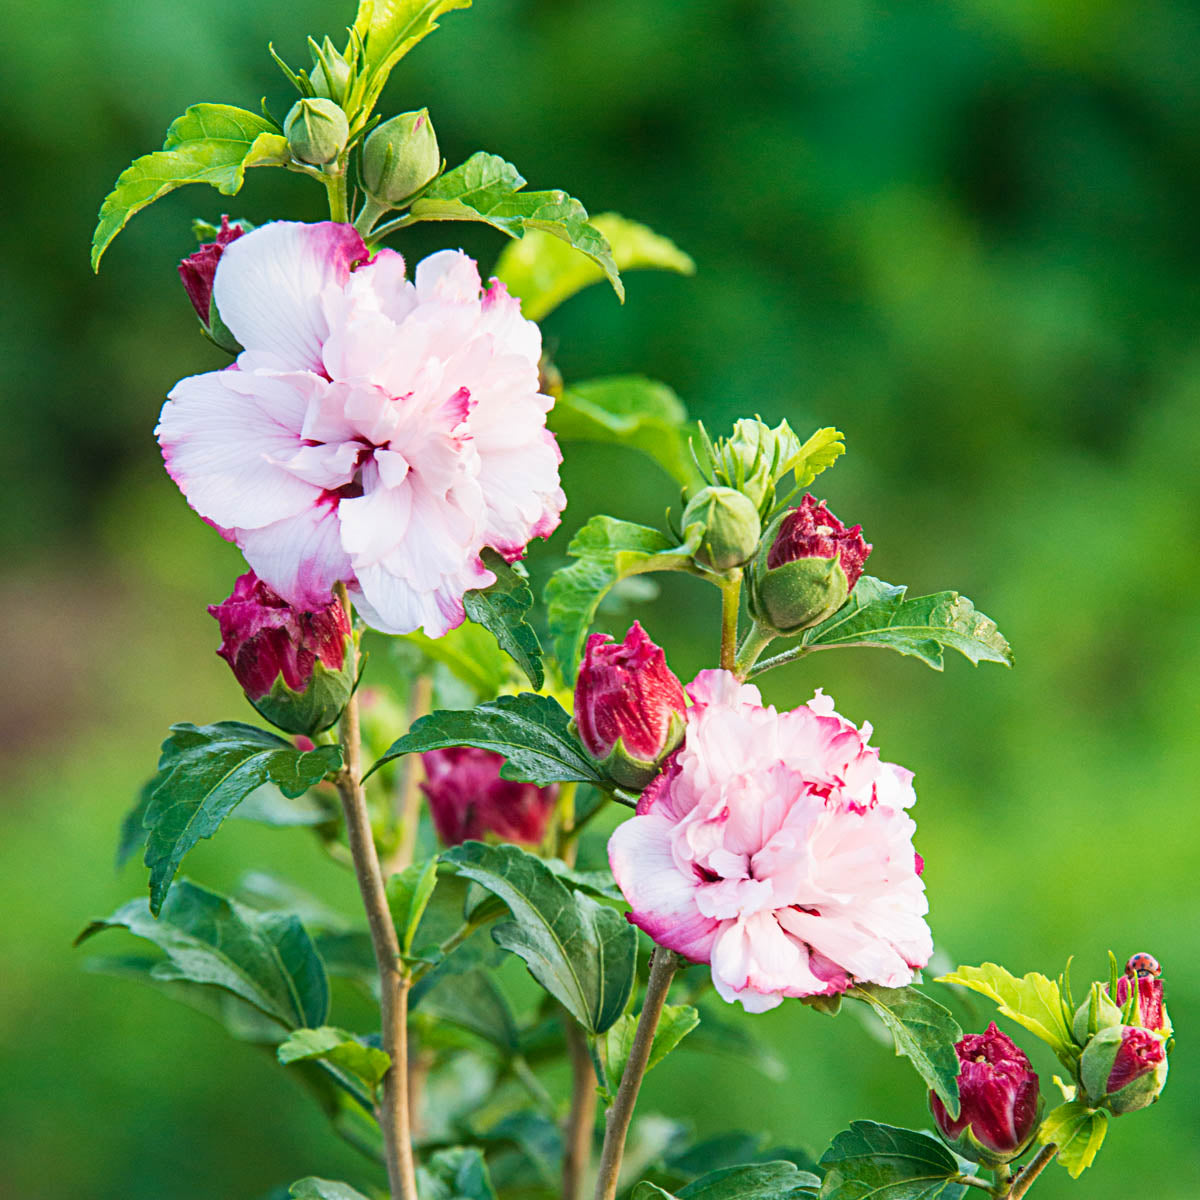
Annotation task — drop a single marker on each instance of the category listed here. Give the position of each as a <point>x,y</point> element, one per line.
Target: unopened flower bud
<point>330,73</point>
<point>806,568</point>
<point>197,272</point>
<point>1097,1012</point>
<point>998,1095</point>
<point>316,130</point>
<point>629,707</point>
<point>752,457</point>
<point>400,157</point>
<point>731,526</point>
<point>469,801</point>
<point>293,666</point>
<point>1143,972</point>
<point>1124,1067</point>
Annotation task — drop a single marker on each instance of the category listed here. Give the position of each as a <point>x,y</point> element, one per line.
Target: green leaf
<point>542,272</point>
<point>580,951</point>
<point>923,1031</point>
<point>488,189</point>
<point>210,143</point>
<point>408,896</point>
<point>627,410</point>
<point>877,614</point>
<point>389,29</point>
<point>456,1174</point>
<point>338,1047</point>
<point>820,451</point>
<point>883,1163</point>
<point>313,1188</point>
<point>502,608</point>
<point>676,1022</point>
<point>267,959</point>
<point>471,654</point>
<point>1078,1132</point>
<point>529,730</point>
<point>751,1181</point>
<point>473,1001</point>
<point>1032,1001</point>
<point>204,773</point>
<point>607,551</point>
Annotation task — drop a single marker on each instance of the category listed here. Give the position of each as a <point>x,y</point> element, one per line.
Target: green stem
<point>370,212</point>
<point>757,640</point>
<point>781,659</point>
<point>973,1181</point>
<point>731,593</point>
<point>335,187</point>
<point>1032,1170</point>
<point>619,1117</point>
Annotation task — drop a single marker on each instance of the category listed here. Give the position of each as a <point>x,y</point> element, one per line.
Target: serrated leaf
<point>923,1032</point>
<point>209,143</point>
<point>502,610</point>
<point>542,272</point>
<point>676,1022</point>
<point>456,1174</point>
<point>749,1181</point>
<point>884,1163</point>
<point>607,551</point>
<point>580,951</point>
<point>473,1001</point>
<point>529,730</point>
<point>204,773</point>
<point>877,614</point>
<point>408,895</point>
<point>488,189</point>
<point>820,451</point>
<point>389,29</point>
<point>343,1050</point>
<point>1032,1001</point>
<point>627,410</point>
<point>267,959</point>
<point>1078,1132</point>
<point>313,1188</point>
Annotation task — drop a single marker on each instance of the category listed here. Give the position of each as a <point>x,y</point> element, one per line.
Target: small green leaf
<point>884,1163</point>
<point>456,1174</point>
<point>343,1050</point>
<point>627,410</point>
<point>408,896</point>
<point>676,1022</point>
<point>502,610</point>
<point>1032,1001</point>
<point>923,1031</point>
<point>488,189</point>
<point>473,1001</point>
<point>204,773</point>
<point>471,654</point>
<point>542,272</point>
<point>607,551</point>
<point>750,1181</point>
<point>529,730</point>
<point>580,951</point>
<point>877,614</point>
<point>210,143</point>
<point>1078,1132</point>
<point>313,1188</point>
<point>820,451</point>
<point>267,959</point>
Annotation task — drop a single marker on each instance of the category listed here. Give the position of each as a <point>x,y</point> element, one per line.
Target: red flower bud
<point>629,707</point>
<point>998,1091</point>
<point>1150,1000</point>
<point>468,800</point>
<point>291,664</point>
<point>199,269</point>
<point>1124,1067</point>
<point>812,531</point>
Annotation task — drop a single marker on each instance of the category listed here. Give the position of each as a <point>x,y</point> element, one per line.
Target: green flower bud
<point>330,73</point>
<point>316,130</point>
<point>1097,1012</point>
<point>731,526</point>
<point>752,457</point>
<point>400,157</point>
<point>1124,1067</point>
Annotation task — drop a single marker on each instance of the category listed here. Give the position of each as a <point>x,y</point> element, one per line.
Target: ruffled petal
<point>301,558</point>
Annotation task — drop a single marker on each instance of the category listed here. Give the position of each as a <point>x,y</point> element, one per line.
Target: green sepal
<point>315,708</point>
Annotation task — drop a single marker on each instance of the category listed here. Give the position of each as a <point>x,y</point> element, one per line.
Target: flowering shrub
<point>382,448</point>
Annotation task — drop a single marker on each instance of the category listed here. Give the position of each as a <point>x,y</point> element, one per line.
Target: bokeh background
<point>965,233</point>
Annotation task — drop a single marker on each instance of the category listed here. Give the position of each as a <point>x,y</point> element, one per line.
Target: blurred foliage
<point>965,233</point>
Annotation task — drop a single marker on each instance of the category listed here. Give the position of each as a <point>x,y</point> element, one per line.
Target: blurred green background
<point>964,232</point>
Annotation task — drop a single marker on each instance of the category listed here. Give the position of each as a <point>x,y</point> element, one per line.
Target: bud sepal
<point>731,527</point>
<point>1124,1068</point>
<point>400,158</point>
<point>317,130</point>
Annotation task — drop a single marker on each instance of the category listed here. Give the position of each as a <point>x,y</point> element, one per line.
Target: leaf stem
<point>620,1115</point>
<point>731,593</point>
<point>780,660</point>
<point>394,982</point>
<point>757,640</point>
<point>1031,1171</point>
<point>973,1181</point>
<point>581,1123</point>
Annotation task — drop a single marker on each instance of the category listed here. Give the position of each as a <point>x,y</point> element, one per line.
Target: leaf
<point>474,1002</point>
<point>750,1181</point>
<point>529,730</point>
<point>578,950</point>
<point>502,608</point>
<point>267,959</point>
<point>343,1050</point>
<point>1078,1132</point>
<point>676,1022</point>
<point>627,410</point>
<point>210,143</point>
<point>820,451</point>
<point>607,550</point>
<point>313,1188</point>
<point>1032,1001</point>
<point>923,1031</point>
<point>471,654</point>
<point>488,189</point>
<point>883,1163</point>
<point>391,28</point>
<point>877,614</point>
<point>542,272</point>
<point>408,896</point>
<point>204,773</point>
<point>133,830</point>
<point>456,1174</point>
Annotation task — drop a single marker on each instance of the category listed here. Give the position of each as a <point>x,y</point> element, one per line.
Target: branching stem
<point>1035,1166</point>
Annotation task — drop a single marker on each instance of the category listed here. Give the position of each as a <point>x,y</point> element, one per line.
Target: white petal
<point>448,275</point>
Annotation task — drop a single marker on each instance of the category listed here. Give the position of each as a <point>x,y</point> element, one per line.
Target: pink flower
<point>468,799</point>
<point>198,269</point>
<point>374,430</point>
<point>775,847</point>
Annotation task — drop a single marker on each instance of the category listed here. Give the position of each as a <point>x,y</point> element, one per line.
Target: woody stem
<point>1032,1170</point>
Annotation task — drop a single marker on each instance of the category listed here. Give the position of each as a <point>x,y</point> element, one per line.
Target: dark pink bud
<point>1139,1053</point>
<point>1150,999</point>
<point>291,664</point>
<point>998,1090</point>
<point>199,269</point>
<point>812,531</point>
<point>468,800</point>
<point>629,707</point>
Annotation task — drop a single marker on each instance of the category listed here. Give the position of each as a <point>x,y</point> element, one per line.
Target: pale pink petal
<point>300,558</point>
<point>448,276</point>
